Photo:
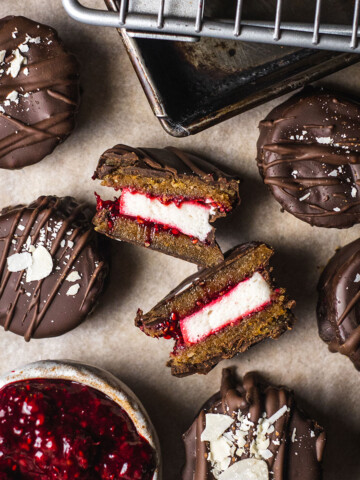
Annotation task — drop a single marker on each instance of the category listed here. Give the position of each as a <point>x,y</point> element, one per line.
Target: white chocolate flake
<point>247,469</point>
<point>23,48</point>
<point>19,262</point>
<point>216,424</point>
<point>42,264</point>
<point>73,276</point>
<point>325,140</point>
<point>27,243</point>
<point>307,195</point>
<point>15,64</point>
<point>278,414</point>
<point>73,290</point>
<point>13,96</point>
<point>35,40</point>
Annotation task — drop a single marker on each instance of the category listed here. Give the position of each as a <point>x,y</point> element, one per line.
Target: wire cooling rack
<point>188,20</point>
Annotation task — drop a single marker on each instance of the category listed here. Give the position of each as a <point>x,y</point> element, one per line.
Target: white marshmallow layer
<point>245,298</point>
<point>190,218</point>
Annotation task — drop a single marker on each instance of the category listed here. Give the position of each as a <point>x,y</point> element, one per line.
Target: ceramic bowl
<point>100,380</point>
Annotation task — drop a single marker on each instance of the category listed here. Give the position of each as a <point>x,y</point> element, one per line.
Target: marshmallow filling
<point>188,217</point>
<point>247,297</point>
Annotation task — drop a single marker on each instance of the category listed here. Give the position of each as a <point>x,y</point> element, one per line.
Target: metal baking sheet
<point>192,86</point>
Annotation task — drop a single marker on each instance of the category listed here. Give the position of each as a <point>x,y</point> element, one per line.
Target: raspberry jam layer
<point>176,215</point>
<point>228,307</point>
<point>63,430</point>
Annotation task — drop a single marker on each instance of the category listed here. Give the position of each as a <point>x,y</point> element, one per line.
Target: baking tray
<point>192,86</point>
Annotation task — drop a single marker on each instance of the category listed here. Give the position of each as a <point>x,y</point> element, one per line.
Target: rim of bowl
<point>99,379</point>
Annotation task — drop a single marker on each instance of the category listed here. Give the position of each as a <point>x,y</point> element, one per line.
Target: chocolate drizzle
<point>44,308</point>
<point>290,459</point>
<point>167,162</point>
<point>48,93</point>
<point>309,156</point>
<point>338,309</point>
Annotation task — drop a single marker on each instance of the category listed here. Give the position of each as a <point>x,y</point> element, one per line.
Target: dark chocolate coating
<point>160,162</point>
<point>290,460</point>
<point>48,88</point>
<point>309,156</point>
<point>338,309</point>
<point>43,308</point>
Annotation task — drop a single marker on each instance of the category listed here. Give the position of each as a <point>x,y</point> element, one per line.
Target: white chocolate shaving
<point>15,64</point>
<point>19,262</point>
<point>73,290</point>
<point>247,469</point>
<point>216,424</point>
<point>73,277</point>
<point>42,265</point>
<point>278,414</point>
<point>13,96</point>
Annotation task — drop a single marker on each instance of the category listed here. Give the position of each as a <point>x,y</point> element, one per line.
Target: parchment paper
<point>114,109</point>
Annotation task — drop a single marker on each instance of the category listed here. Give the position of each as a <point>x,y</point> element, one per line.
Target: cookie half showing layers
<point>309,156</point>
<point>52,269</point>
<point>168,200</point>
<point>39,91</point>
<point>220,311</point>
<point>338,309</point>
<point>252,430</point>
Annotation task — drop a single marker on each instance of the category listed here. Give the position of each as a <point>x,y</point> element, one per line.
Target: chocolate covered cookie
<point>168,200</point>
<point>51,269</point>
<point>252,430</point>
<point>220,311</point>
<point>338,309</point>
<point>39,91</point>
<point>309,156</point>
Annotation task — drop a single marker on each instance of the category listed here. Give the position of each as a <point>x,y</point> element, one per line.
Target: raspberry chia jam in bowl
<point>61,420</point>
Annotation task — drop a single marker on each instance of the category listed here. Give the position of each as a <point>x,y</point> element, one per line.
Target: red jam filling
<point>63,430</point>
<point>113,211</point>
